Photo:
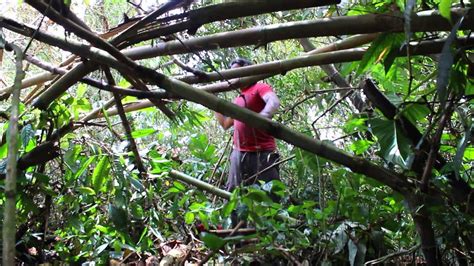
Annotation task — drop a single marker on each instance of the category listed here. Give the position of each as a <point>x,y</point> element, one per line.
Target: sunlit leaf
<point>84,166</point>
<point>189,218</point>
<point>81,90</point>
<point>143,132</point>
<point>445,9</point>
<point>100,174</point>
<point>378,50</point>
<point>86,190</point>
<point>360,146</point>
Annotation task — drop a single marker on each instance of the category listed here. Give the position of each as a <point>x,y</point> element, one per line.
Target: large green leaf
<point>100,174</point>
<point>379,49</point>
<point>212,241</point>
<point>394,147</point>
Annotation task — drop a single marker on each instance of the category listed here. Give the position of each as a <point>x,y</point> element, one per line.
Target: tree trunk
<point>424,228</point>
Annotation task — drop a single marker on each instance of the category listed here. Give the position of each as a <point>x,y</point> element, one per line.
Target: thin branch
<point>331,107</point>
<point>216,166</point>
<point>392,255</point>
<point>436,143</point>
<point>126,125</point>
<point>196,72</point>
<point>269,167</point>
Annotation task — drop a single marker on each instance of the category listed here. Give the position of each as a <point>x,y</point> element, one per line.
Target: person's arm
<point>271,104</point>
<point>224,121</point>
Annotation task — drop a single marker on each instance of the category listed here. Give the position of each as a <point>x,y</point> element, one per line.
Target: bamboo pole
<point>215,190</point>
<point>186,91</point>
<point>9,222</point>
<point>346,25</point>
<point>425,47</point>
<point>282,66</point>
<point>333,26</point>
<point>37,79</point>
<point>200,184</point>
<point>198,17</point>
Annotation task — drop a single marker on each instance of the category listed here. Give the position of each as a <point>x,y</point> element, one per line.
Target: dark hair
<point>241,62</point>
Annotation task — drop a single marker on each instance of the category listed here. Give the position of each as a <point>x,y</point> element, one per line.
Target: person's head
<point>240,62</point>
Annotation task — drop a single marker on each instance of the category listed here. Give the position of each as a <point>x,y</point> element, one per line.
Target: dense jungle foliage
<point>401,193</point>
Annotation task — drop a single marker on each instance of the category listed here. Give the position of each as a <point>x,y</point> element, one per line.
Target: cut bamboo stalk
<point>35,80</point>
<point>214,190</point>
<point>231,10</point>
<point>347,25</point>
<point>200,184</point>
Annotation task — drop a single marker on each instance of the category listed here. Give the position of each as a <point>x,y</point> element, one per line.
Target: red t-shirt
<point>247,138</point>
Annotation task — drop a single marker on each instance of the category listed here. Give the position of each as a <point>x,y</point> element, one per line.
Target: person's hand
<point>266,114</point>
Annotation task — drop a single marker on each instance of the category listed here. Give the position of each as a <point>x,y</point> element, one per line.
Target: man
<point>254,150</point>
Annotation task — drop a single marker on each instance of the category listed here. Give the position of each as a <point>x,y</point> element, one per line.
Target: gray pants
<point>244,166</point>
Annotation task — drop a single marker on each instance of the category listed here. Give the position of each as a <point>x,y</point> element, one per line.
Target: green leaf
<point>189,217</point>
<point>27,133</point>
<point>416,113</point>
<point>179,186</point>
<point>84,167</point>
<point>229,207</point>
<point>212,241</point>
<point>360,146</point>
<point>394,146</point>
<point>86,190</point>
<point>137,184</point>
<point>4,150</point>
<point>81,90</point>
<point>258,195</point>
<point>143,132</point>
<point>355,125</point>
<point>101,249</point>
<point>100,174</point>
<point>119,217</point>
<point>445,9</point>
<point>374,53</point>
